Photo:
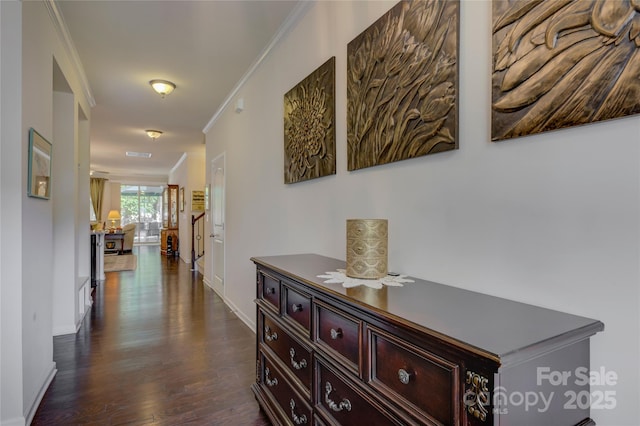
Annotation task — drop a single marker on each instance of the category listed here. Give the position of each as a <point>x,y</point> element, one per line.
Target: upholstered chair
<point>129,232</point>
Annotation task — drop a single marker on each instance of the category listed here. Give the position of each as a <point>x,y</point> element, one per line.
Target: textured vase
<point>367,248</point>
<point>378,298</point>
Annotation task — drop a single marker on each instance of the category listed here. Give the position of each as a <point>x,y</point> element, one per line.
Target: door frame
<point>221,158</point>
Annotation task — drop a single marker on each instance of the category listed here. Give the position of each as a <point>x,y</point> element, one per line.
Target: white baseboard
<point>64,329</point>
<point>43,389</point>
<point>215,290</point>
<point>199,268</point>
<point>207,282</point>
<point>245,319</point>
<point>87,309</point>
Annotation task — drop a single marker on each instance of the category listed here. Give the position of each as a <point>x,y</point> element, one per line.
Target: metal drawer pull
<point>271,290</point>
<point>345,404</point>
<point>297,365</point>
<point>335,334</point>
<point>267,380</point>
<point>404,376</point>
<point>296,307</point>
<point>299,420</point>
<point>268,335</point>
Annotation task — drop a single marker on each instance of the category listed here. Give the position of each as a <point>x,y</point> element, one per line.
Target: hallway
<point>158,348</point>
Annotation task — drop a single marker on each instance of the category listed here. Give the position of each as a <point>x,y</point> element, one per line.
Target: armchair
<point>129,232</point>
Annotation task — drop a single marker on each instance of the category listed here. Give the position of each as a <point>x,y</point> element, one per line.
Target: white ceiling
<point>204,47</point>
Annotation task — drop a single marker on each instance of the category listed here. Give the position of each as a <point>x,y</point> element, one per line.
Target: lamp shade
<point>114,215</point>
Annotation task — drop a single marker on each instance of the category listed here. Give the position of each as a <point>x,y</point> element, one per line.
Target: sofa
<point>129,231</point>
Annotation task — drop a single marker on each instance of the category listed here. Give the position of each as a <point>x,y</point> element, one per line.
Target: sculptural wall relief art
<point>402,84</point>
<point>562,63</point>
<point>309,126</point>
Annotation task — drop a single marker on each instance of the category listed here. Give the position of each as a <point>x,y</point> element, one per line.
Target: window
<point>142,205</point>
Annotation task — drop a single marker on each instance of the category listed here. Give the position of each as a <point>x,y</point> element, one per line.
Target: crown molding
<point>294,16</point>
<point>180,161</point>
<point>63,33</point>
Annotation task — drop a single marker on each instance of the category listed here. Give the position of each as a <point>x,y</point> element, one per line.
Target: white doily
<point>340,276</point>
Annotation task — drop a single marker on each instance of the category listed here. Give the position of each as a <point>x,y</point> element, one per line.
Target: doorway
<point>217,223</point>
<point>142,205</point>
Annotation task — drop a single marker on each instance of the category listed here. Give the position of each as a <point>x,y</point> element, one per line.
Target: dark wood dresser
<point>423,353</point>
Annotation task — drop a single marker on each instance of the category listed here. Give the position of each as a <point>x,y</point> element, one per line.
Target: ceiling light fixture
<point>153,134</point>
<point>162,87</point>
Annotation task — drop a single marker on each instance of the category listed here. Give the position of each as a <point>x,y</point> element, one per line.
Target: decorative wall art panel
<point>559,64</point>
<point>39,166</point>
<point>309,126</point>
<point>402,84</point>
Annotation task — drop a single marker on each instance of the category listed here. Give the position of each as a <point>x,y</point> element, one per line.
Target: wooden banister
<point>197,222</point>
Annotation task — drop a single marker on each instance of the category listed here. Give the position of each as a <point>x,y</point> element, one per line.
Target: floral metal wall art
<point>402,84</point>
<point>309,129</point>
<point>559,64</point>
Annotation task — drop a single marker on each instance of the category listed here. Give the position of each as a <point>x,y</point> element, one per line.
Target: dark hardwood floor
<point>158,347</point>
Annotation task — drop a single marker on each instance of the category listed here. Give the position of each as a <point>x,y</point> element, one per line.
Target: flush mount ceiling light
<point>153,134</point>
<point>162,87</point>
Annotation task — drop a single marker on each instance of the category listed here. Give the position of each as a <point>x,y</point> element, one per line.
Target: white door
<point>217,226</point>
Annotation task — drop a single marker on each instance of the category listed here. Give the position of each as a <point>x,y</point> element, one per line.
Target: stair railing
<point>197,239</point>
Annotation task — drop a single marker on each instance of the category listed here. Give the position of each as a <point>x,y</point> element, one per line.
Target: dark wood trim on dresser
<point>421,354</point>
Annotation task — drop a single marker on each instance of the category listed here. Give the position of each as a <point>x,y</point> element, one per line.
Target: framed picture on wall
<point>39,185</point>
<point>197,201</point>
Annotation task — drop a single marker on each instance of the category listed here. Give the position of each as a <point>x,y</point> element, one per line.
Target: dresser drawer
<point>297,306</point>
<point>269,290</point>
<point>341,333</point>
<point>291,352</point>
<point>345,403</point>
<point>294,408</point>
<point>416,377</point>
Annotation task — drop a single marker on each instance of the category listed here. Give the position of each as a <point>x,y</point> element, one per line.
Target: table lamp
<point>113,216</point>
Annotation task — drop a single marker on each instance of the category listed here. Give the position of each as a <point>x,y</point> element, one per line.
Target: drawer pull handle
<point>335,334</point>
<point>270,382</point>
<point>297,365</point>
<point>404,376</point>
<point>299,420</point>
<point>345,404</point>
<point>268,335</point>
<point>296,307</point>
<point>271,290</point>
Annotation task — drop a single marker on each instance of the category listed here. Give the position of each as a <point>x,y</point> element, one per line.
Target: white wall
<point>188,173</point>
<point>41,47</point>
<point>64,193</point>
<point>37,215</point>
<point>551,220</point>
<point>11,165</point>
<point>110,201</point>
<point>83,212</point>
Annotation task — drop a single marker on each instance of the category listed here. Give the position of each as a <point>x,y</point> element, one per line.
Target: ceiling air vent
<point>139,154</point>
